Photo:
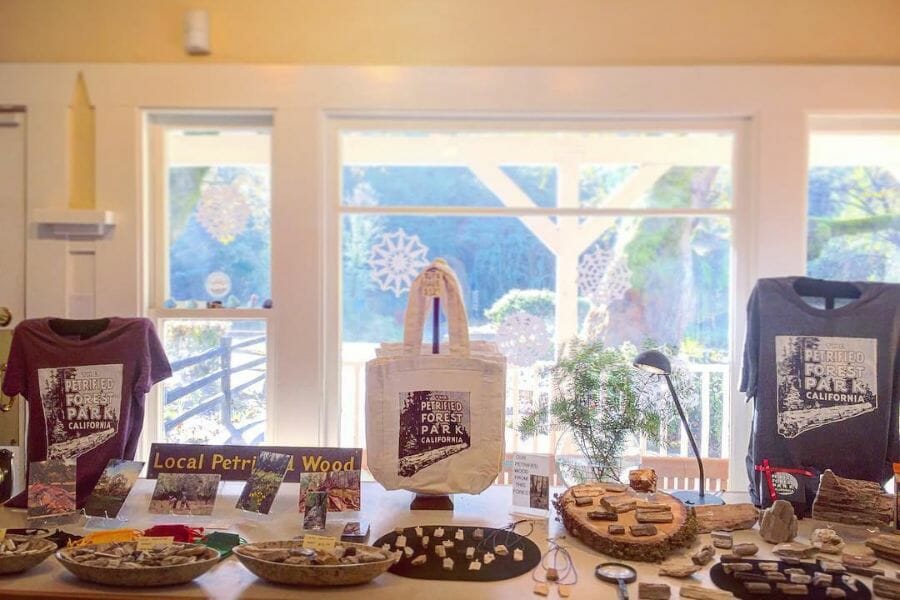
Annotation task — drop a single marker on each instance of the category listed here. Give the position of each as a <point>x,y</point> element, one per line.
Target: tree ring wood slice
<point>670,536</point>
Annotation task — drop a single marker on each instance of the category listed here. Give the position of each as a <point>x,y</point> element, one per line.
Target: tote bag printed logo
<point>433,426</point>
<point>81,407</point>
<point>823,380</point>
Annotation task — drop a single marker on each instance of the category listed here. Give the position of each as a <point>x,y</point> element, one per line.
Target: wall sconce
<point>196,32</point>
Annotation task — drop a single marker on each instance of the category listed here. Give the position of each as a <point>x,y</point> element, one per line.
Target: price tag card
<point>319,542</point>
<point>149,542</point>
<point>2,534</point>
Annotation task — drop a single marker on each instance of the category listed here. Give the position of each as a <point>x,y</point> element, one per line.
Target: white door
<point>12,269</point>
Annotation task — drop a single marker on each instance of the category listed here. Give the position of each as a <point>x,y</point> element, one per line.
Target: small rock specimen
<point>470,552</point>
<point>518,555</point>
<point>886,587</point>
<point>642,480</point>
<point>500,550</point>
<point>803,579</point>
<point>419,560</point>
<point>438,532</point>
<point>587,491</point>
<point>603,515</point>
<point>563,590</point>
<point>795,571</point>
<point>695,592</point>
<point>541,589</point>
<point>864,571</point>
<point>408,551</point>
<point>448,543</point>
<point>488,558</point>
<point>440,550</point>
<point>703,555</point>
<point>778,524</point>
<point>886,546</point>
<point>584,501</point>
<point>448,564</point>
<point>829,566</point>
<point>792,589</point>
<point>401,541</point>
<point>737,567</point>
<point>616,529</point>
<point>758,587</point>
<point>858,560</point>
<point>722,539</point>
<point>478,534</point>
<point>775,576</point>
<point>822,580</point>
<point>474,566</point>
<point>653,591</point>
<point>619,504</point>
<point>767,566</point>
<point>425,540</point>
<point>460,535</point>
<point>746,549</point>
<point>647,505</point>
<point>642,530</point>
<point>744,576</point>
<point>615,488</point>
<point>419,532</point>
<point>827,541</point>
<point>653,516</point>
<point>836,593</point>
<point>679,571</point>
<point>794,550</point>
<point>726,517</point>
<point>852,501</point>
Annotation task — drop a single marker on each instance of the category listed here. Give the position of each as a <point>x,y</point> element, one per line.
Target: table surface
<point>229,580</point>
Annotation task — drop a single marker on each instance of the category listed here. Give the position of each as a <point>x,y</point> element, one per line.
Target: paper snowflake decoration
<point>523,338</point>
<point>396,260</point>
<point>602,278</point>
<point>223,211</point>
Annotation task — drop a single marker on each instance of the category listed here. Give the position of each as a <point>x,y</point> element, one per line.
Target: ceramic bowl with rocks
<point>19,553</point>
<point>122,564</point>
<point>288,562</point>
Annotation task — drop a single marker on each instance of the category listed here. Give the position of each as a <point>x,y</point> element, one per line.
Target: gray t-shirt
<point>826,382</point>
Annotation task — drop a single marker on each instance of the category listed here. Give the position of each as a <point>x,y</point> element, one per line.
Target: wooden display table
<point>384,510</point>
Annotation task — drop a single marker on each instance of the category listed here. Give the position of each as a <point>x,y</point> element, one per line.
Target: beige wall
<point>459,32</point>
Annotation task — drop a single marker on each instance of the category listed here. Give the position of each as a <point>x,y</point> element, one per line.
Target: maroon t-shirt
<point>85,396</point>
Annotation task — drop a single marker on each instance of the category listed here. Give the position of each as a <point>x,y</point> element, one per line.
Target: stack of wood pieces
<point>615,520</point>
<point>852,501</point>
<point>886,546</point>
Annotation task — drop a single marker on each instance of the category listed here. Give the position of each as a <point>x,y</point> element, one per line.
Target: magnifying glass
<point>617,573</point>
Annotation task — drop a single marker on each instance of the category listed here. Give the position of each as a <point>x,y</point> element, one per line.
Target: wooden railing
<point>223,400</point>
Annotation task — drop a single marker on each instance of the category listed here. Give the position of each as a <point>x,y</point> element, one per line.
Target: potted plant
<point>602,402</point>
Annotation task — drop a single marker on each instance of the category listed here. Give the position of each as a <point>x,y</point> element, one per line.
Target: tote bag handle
<point>438,280</point>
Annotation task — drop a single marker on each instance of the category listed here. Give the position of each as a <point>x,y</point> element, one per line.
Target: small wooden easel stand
<point>427,501</point>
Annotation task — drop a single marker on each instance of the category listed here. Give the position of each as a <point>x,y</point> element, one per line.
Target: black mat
<point>503,567</point>
<point>728,582</point>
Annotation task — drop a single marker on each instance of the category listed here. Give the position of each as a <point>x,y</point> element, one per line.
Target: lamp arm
<point>689,434</point>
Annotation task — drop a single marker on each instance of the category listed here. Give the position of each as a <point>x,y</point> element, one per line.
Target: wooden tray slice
<point>680,532</point>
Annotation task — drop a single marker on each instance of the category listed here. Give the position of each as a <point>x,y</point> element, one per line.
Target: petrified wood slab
<point>852,501</point>
<point>886,587</point>
<point>658,542</point>
<point>695,592</point>
<point>653,591</point>
<point>886,546</point>
<point>679,571</point>
<point>654,516</point>
<point>727,517</point>
<point>778,524</point>
<point>603,515</point>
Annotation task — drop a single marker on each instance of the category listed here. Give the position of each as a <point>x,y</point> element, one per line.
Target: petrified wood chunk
<point>822,579</point>
<point>587,490</point>
<point>886,587</point>
<point>646,542</point>
<point>722,540</point>
<point>836,593</point>
<point>726,517</point>
<point>603,515</point>
<point>642,480</point>
<point>858,560</point>
<point>653,591</point>
<point>646,505</point>
<point>584,501</point>
<point>758,587</point>
<point>827,541</point>
<point>778,524</point>
<point>792,589</point>
<point>794,550</point>
<point>864,571</point>
<point>703,555</point>
<point>829,566</point>
<point>616,529</point>
<point>852,501</point>
<point>642,530</point>
<point>736,567</point>
<point>654,516</point>
<point>679,571</point>
<point>695,592</point>
<point>886,546</point>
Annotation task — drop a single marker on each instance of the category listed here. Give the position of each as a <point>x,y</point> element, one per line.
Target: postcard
<point>184,494</point>
<point>342,488</point>
<point>51,488</point>
<point>265,479</point>
<point>112,488</point>
<point>316,510</point>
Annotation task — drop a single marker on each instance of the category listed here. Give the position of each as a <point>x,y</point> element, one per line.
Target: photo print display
<point>341,487</point>
<point>184,494</point>
<point>112,488</point>
<point>265,480</point>
<point>316,510</point>
<point>51,488</point>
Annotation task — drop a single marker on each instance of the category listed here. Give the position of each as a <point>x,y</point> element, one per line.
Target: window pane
<point>854,207</point>
<point>523,169</point>
<point>217,393</point>
<point>218,218</point>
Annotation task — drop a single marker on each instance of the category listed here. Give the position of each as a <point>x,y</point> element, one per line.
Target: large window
<point>210,186</point>
<point>623,235</point>
<point>854,201</point>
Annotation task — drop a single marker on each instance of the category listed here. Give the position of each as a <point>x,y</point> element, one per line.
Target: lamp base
<point>690,498</point>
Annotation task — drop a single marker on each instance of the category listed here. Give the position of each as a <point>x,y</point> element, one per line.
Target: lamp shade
<point>653,361</point>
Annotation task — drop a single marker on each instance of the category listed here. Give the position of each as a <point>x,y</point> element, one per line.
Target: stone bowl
<point>17,563</point>
<point>312,575</point>
<point>142,577</point>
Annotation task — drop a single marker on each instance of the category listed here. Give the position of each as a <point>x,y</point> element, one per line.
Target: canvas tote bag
<point>435,422</point>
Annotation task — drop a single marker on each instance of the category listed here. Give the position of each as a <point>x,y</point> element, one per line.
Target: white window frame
<point>776,99</point>
<point>737,214</point>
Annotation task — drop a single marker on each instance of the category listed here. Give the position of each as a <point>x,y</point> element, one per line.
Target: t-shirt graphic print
<point>81,407</point>
<point>823,380</point>
<point>433,426</point>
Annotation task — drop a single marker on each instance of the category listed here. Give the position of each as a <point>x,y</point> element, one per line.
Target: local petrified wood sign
<point>680,531</point>
<point>852,501</point>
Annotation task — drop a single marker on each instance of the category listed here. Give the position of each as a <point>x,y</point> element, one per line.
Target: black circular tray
<point>736,587</point>
<point>503,567</point>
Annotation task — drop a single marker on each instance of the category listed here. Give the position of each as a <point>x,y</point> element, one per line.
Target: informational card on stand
<point>531,484</point>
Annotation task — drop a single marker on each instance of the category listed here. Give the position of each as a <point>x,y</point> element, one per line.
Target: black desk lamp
<point>655,362</point>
